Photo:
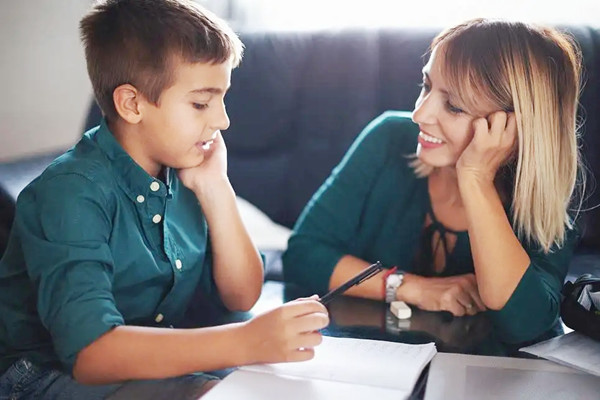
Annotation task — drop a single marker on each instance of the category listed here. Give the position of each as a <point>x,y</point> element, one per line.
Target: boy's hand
<point>212,169</point>
<point>287,333</point>
<point>491,145</point>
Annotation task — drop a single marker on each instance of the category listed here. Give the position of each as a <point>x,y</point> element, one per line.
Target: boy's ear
<point>127,101</point>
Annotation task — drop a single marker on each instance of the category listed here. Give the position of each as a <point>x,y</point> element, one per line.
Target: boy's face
<point>187,116</point>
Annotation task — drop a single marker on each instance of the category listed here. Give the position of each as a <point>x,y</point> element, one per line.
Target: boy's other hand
<point>287,333</point>
<point>212,169</point>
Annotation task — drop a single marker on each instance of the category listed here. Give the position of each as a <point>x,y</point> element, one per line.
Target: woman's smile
<point>428,141</point>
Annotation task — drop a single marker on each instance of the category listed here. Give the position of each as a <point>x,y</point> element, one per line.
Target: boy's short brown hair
<point>139,41</point>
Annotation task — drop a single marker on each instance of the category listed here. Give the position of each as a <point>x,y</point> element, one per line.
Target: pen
<point>365,274</point>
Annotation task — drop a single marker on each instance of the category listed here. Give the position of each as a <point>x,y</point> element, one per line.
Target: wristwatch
<point>392,283</point>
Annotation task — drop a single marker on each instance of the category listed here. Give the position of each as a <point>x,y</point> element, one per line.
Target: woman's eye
<point>453,109</point>
<point>199,106</point>
<point>424,86</point>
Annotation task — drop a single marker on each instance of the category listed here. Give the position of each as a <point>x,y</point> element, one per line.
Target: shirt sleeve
<point>534,306</point>
<point>65,234</point>
<point>329,223</point>
<point>208,285</point>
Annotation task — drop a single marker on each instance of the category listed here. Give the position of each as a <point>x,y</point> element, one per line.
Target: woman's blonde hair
<point>535,72</point>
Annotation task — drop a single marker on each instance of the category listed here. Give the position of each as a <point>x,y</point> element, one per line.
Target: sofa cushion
<point>589,118</point>
<point>7,214</point>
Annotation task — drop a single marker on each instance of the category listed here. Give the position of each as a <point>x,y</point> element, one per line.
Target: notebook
<point>343,368</point>
<point>469,377</point>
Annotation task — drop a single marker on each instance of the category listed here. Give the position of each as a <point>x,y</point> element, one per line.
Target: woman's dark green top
<point>373,207</point>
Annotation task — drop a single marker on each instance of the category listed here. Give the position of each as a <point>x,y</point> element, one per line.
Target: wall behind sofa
<point>45,89</point>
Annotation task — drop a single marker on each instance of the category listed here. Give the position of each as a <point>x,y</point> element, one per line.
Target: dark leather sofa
<point>299,99</point>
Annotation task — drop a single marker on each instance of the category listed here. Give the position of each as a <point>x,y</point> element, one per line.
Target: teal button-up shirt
<point>97,243</point>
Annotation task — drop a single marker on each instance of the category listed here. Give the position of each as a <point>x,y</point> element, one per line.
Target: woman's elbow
<point>494,301</point>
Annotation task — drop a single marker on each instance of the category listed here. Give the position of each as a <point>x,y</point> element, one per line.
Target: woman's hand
<point>456,294</point>
<point>492,144</point>
<point>287,333</point>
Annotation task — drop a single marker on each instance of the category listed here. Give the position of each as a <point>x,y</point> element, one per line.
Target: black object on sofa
<point>299,99</point>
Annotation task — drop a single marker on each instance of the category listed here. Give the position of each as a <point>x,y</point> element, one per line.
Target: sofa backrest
<point>299,99</point>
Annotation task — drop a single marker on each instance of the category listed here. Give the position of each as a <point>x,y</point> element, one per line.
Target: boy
<point>110,242</point>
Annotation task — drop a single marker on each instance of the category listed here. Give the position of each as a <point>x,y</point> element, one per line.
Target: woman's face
<point>445,128</point>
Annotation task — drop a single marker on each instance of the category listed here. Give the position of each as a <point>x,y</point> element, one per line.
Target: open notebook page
<point>359,361</point>
<point>250,385</point>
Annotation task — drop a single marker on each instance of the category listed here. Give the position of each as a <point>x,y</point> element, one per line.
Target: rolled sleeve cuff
<point>82,328</point>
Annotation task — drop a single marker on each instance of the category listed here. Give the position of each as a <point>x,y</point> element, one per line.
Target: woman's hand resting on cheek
<point>492,144</point>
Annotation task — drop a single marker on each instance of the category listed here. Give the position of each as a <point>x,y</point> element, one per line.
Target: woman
<point>479,219</point>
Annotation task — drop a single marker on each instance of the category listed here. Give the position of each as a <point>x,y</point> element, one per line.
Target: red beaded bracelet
<point>385,276</point>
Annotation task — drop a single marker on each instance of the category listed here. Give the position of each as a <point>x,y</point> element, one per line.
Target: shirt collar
<point>136,182</point>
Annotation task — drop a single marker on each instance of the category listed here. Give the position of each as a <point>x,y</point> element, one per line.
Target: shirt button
<point>156,219</point>
<point>178,264</point>
<point>140,199</point>
<point>154,186</point>
<point>159,318</point>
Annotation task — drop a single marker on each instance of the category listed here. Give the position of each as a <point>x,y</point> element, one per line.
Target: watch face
<point>393,280</point>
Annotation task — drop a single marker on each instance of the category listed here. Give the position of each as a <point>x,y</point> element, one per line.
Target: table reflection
<point>367,318</point>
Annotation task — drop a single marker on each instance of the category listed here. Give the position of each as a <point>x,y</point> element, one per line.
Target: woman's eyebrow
<point>427,77</point>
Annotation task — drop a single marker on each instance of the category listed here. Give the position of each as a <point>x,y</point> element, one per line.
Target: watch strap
<point>385,285</point>
<point>392,283</point>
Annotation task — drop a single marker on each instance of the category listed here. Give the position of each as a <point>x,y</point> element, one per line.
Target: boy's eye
<point>453,109</point>
<point>199,106</point>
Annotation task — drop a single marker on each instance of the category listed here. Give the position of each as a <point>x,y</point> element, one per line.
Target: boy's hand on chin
<point>211,171</point>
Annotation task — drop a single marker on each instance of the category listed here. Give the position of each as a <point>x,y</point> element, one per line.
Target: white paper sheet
<point>573,350</point>
<point>470,377</point>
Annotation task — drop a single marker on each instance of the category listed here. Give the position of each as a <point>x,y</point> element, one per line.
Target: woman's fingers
<point>497,122</point>
<point>511,131</point>
<point>467,302</point>
<point>471,288</point>
<point>456,308</point>
<point>481,127</point>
